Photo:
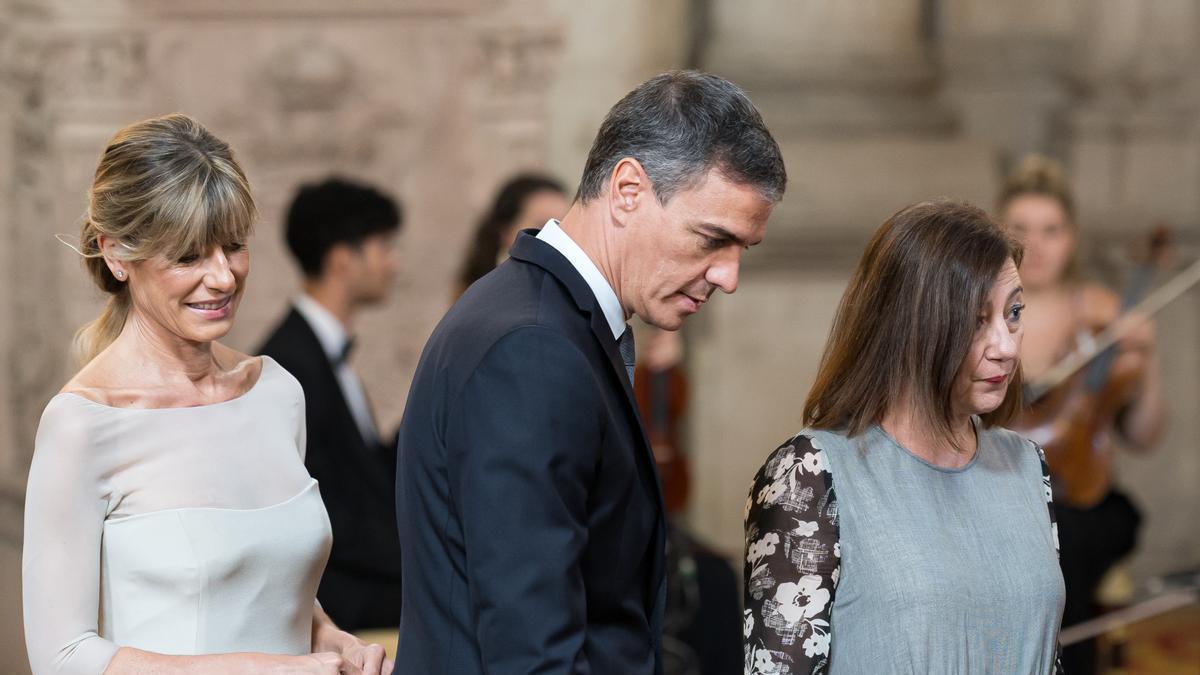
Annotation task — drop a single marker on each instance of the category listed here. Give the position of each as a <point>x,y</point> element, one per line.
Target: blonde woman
<point>170,525</point>
<point>1037,206</point>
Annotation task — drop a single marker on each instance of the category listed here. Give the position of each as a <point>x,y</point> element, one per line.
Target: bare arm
<point>129,661</point>
<point>1144,421</point>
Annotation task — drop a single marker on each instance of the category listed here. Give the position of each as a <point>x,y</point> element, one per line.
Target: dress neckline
<point>267,361</point>
<point>878,428</point>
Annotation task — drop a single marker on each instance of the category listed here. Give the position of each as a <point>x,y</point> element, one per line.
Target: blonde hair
<point>1038,175</point>
<point>163,186</point>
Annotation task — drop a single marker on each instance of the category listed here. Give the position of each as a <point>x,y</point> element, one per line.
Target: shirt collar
<point>609,303</point>
<point>324,324</point>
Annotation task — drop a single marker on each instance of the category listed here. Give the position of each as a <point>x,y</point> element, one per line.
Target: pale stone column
<point>1008,68</point>
<point>1135,137</point>
<point>608,49</point>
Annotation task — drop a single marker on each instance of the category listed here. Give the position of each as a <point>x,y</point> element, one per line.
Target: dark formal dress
<point>361,585</point>
<point>527,498</point>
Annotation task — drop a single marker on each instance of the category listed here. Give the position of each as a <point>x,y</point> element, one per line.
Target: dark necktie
<point>625,344</point>
<point>346,349</point>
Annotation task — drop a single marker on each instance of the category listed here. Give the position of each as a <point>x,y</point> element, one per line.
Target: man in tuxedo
<point>527,497</point>
<point>343,234</point>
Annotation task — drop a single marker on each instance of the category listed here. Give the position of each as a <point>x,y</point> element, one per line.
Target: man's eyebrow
<point>721,233</point>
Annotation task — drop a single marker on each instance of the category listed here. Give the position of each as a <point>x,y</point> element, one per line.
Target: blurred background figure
<point>343,236</point>
<point>702,627</point>
<point>1097,522</point>
<point>526,201</point>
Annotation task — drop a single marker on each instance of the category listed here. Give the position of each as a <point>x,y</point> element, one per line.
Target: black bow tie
<point>346,349</point>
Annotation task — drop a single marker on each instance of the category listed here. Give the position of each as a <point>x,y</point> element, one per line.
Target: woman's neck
<point>915,432</point>
<point>162,356</point>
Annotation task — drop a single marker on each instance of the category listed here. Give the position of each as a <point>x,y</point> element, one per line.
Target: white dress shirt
<point>333,338</point>
<point>609,303</point>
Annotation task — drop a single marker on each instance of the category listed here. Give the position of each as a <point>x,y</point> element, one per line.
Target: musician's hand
<point>1140,338</point>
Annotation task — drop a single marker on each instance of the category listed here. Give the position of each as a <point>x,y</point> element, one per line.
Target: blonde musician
<point>1062,312</point>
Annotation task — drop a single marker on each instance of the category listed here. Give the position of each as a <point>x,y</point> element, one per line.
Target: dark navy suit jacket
<point>526,493</point>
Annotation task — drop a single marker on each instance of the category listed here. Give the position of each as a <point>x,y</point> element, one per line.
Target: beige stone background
<point>876,103</point>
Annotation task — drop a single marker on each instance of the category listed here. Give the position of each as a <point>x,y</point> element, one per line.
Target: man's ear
<point>628,189</point>
<point>338,258</point>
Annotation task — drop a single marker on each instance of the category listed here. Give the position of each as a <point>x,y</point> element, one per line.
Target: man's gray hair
<point>678,126</point>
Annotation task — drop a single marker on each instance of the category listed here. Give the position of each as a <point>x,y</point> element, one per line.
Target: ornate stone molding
<point>514,61</point>
<point>61,69</point>
<point>306,104</point>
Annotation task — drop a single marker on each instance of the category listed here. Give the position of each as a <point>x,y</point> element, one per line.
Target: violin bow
<point>1150,305</point>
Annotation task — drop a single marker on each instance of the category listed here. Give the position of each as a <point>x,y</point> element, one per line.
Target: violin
<point>660,387</point>
<point>1072,415</point>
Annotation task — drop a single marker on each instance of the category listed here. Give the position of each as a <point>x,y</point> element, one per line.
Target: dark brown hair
<point>485,247</point>
<point>908,317</point>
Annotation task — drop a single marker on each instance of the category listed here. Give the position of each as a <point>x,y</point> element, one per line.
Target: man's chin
<point>668,321</point>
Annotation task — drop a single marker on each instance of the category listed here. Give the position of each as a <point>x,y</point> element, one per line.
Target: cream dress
<point>172,530</point>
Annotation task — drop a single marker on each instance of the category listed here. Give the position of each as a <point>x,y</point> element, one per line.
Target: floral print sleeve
<point>792,563</point>
<point>1058,669</point>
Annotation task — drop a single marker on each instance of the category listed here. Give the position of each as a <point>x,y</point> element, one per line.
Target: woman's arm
<point>1058,669</point>
<point>791,507</point>
<point>1144,421</point>
<point>128,661</point>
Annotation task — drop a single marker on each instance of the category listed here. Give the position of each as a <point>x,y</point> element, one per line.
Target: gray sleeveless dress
<point>863,558</point>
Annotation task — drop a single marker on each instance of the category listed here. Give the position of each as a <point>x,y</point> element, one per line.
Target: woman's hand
<point>326,663</point>
<point>358,656</point>
<point>371,659</point>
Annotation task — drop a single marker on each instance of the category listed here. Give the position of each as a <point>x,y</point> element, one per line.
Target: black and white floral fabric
<point>792,562</point>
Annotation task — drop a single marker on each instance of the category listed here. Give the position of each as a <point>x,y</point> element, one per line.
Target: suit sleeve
<point>521,458</point>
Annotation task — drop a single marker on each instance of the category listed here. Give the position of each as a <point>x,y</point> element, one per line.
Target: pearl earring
<point>119,274</point>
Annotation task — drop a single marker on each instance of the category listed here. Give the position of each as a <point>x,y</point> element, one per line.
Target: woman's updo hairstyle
<point>164,186</point>
<point>1038,175</point>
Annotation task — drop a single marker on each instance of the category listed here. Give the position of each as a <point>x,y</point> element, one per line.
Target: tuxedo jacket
<point>526,493</point>
<point>362,581</point>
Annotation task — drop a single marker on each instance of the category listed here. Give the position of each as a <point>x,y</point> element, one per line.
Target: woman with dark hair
<point>904,531</point>
<point>525,201</point>
<point>1037,207</point>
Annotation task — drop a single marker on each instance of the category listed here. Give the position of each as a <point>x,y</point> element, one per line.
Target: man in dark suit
<point>527,497</point>
<point>343,236</point>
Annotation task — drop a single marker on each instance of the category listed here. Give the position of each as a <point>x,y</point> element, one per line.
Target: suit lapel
<point>331,387</point>
<point>529,249</point>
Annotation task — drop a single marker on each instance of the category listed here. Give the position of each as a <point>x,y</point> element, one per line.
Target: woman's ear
<point>107,246</point>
